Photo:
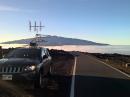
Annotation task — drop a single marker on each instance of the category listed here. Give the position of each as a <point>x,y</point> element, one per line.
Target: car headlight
<point>30,68</point>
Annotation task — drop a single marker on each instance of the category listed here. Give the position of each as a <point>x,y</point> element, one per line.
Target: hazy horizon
<point>110,49</point>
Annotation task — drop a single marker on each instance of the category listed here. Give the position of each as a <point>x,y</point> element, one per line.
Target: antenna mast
<point>36,28</point>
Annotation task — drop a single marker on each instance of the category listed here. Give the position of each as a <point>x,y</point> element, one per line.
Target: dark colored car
<point>31,64</point>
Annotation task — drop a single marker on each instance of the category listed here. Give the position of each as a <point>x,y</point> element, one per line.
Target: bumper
<point>28,76</point>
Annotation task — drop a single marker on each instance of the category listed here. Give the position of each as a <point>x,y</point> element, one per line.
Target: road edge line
<point>115,69</point>
<point>73,78</point>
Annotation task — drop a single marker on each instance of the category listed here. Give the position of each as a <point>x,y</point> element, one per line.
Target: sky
<point>103,21</point>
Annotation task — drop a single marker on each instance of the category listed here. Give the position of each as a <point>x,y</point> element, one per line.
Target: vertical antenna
<point>40,26</point>
<point>35,26</point>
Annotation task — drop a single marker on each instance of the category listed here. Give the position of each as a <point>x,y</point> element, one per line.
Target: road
<point>93,78</point>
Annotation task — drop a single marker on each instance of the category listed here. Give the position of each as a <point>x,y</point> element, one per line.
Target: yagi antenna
<point>35,26</point>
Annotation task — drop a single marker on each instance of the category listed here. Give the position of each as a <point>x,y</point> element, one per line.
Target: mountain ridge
<point>55,41</point>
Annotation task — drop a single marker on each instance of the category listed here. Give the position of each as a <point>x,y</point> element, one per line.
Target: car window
<point>46,52</point>
<point>43,52</point>
<point>24,53</point>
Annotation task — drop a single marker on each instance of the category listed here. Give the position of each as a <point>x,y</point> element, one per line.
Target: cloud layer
<point>8,8</point>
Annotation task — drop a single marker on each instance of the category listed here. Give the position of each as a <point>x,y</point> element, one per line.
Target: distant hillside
<point>55,41</point>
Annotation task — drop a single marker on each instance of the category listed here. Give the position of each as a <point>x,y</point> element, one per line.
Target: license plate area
<point>6,77</point>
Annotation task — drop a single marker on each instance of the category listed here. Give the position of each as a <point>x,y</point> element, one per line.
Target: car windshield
<point>24,53</point>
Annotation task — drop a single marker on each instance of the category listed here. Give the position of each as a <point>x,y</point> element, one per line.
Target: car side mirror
<point>45,56</point>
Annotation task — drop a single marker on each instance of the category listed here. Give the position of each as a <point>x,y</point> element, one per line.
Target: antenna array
<point>36,28</point>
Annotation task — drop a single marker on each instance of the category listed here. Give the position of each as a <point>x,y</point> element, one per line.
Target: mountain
<point>55,41</point>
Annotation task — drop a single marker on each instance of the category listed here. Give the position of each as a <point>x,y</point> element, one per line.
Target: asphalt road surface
<point>93,78</point>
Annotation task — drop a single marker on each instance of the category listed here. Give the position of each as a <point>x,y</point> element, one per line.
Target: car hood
<point>18,62</point>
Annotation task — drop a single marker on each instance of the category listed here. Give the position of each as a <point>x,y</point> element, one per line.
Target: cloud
<point>13,9</point>
<point>9,8</point>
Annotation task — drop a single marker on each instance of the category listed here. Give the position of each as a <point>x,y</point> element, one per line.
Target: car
<point>29,64</point>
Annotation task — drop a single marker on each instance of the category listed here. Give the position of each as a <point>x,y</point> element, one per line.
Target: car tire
<point>37,81</point>
<point>51,69</point>
<point>40,82</point>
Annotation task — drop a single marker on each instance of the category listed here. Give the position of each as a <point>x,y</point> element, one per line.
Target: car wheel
<point>51,69</point>
<point>41,82</point>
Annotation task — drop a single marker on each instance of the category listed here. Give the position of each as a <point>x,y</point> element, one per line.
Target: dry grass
<point>118,65</point>
<point>116,60</point>
<point>62,62</point>
<point>10,90</point>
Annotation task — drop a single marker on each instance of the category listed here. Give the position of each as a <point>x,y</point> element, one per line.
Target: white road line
<point>115,69</point>
<point>73,79</point>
